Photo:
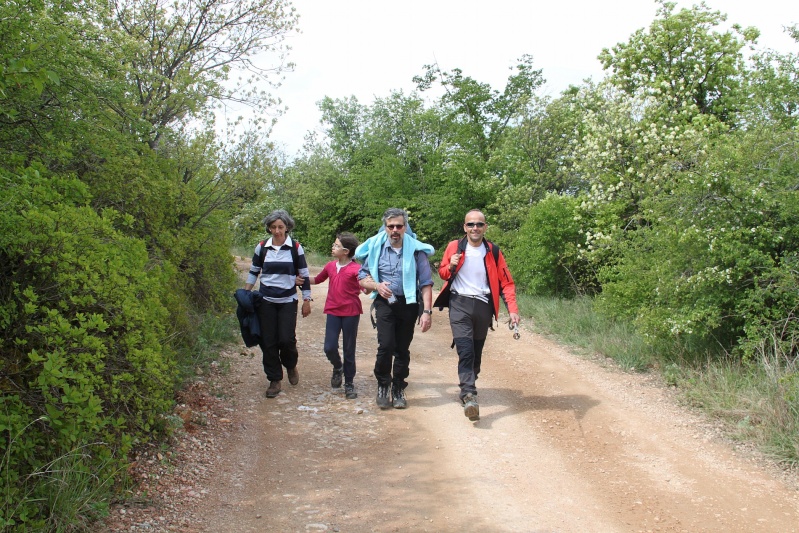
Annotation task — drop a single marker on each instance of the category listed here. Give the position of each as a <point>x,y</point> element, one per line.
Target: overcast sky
<point>368,48</point>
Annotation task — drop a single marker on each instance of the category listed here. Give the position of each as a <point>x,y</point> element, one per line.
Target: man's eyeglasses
<point>475,224</point>
<point>395,226</point>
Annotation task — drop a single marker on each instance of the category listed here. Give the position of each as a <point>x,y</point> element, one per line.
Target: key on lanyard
<point>515,328</point>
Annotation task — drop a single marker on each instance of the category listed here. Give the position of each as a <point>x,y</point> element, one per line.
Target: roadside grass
<point>66,492</point>
<point>213,332</point>
<point>759,404</point>
<point>575,323</point>
<point>756,400</point>
<point>317,259</point>
<point>75,495</point>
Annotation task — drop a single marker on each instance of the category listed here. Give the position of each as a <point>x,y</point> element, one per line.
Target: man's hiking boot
<point>335,380</point>
<point>470,407</point>
<point>399,397</point>
<point>273,390</point>
<point>349,391</point>
<point>383,401</point>
<point>294,375</point>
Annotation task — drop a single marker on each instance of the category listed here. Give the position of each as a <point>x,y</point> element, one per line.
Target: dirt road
<point>563,445</point>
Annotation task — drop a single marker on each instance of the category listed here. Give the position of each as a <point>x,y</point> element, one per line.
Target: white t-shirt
<point>471,279</point>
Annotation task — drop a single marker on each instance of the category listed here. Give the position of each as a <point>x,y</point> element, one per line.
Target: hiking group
<point>395,271</point>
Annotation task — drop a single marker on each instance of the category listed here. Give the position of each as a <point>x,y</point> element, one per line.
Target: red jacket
<point>499,279</point>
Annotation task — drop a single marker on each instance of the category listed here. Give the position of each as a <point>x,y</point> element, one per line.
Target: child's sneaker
<point>349,391</point>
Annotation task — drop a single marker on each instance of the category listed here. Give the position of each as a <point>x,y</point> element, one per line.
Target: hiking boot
<point>470,407</point>
<point>294,376</point>
<point>273,390</point>
<point>399,397</point>
<point>335,380</point>
<point>349,391</point>
<point>383,401</point>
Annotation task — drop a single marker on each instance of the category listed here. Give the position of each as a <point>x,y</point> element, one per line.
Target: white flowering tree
<point>670,217</point>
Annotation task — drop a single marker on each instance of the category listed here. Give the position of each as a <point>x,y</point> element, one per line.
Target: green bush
<point>716,256</point>
<point>543,257</point>
<point>84,363</point>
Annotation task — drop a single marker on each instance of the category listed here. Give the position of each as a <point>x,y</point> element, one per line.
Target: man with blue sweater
<point>395,268</point>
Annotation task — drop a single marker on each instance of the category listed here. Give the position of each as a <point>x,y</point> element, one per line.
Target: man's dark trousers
<point>395,326</point>
<point>469,319</point>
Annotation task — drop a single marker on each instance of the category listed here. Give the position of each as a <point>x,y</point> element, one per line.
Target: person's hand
<point>383,290</point>
<point>299,281</point>
<point>426,321</point>
<point>515,319</point>
<point>306,308</point>
<point>453,262</point>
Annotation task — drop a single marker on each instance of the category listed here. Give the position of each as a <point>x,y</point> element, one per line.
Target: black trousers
<point>395,327</point>
<point>348,326</point>
<point>469,319</point>
<point>278,337</point>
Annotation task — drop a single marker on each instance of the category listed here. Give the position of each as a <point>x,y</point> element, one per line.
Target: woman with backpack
<point>277,262</point>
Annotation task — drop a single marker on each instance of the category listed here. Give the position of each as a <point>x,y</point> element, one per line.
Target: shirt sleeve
<point>255,268</point>
<point>507,286</point>
<point>423,272</point>
<point>364,270</point>
<point>304,272</point>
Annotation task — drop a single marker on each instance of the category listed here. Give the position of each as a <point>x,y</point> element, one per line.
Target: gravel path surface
<point>563,444</point>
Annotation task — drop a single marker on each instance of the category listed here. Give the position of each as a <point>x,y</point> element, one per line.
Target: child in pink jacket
<point>343,309</point>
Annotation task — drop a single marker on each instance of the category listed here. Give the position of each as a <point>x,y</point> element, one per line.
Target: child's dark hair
<point>348,241</point>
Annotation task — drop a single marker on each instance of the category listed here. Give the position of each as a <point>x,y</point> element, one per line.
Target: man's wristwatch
<point>428,311</point>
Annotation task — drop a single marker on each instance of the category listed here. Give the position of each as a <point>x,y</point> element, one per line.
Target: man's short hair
<point>394,212</point>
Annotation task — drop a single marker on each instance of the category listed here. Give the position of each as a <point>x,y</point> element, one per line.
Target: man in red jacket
<point>476,275</point>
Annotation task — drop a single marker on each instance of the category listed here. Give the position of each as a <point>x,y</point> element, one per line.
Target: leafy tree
<point>718,261</point>
<point>683,61</point>
<point>774,88</point>
<point>345,128</point>
<point>534,157</point>
<point>110,248</point>
<point>183,53</point>
<point>482,113</point>
<point>392,153</point>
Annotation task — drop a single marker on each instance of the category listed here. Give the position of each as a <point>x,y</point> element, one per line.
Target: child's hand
<point>299,281</point>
